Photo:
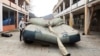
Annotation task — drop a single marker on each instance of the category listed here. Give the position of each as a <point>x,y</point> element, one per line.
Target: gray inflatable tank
<point>38,31</point>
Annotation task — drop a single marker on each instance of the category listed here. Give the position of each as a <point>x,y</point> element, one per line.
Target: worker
<point>21,27</point>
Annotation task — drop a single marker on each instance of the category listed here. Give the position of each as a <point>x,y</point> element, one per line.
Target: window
<point>8,17</point>
<point>75,1</point>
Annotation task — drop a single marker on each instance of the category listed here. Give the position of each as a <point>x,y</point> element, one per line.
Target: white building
<point>10,13</point>
<point>80,14</point>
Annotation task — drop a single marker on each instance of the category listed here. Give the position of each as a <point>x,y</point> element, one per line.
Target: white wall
<point>1,23</point>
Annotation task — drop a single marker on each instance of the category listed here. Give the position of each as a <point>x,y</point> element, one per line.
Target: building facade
<point>80,14</point>
<point>11,12</point>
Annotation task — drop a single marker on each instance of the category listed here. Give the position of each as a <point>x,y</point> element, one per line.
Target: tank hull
<point>34,32</point>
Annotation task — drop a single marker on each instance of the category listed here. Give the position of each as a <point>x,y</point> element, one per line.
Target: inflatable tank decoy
<point>38,30</point>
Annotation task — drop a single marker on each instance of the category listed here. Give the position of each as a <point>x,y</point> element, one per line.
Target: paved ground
<point>88,46</point>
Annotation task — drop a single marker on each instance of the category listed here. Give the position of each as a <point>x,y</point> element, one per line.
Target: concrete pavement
<point>88,46</point>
